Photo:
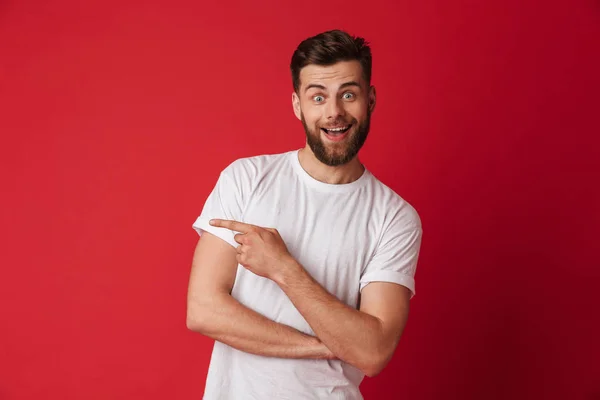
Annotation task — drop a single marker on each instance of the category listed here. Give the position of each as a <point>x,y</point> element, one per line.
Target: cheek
<point>357,110</point>
<point>311,116</point>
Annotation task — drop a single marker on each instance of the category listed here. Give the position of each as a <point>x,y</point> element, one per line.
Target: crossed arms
<point>365,338</point>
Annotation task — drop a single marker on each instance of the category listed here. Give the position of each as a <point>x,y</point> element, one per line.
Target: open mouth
<point>337,131</point>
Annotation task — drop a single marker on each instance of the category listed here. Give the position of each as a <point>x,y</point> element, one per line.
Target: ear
<point>296,106</point>
<point>372,98</point>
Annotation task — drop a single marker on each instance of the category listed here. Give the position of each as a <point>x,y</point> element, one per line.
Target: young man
<point>306,262</point>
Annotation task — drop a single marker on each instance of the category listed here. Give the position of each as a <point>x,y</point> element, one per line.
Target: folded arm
<point>365,338</point>
<point>213,312</point>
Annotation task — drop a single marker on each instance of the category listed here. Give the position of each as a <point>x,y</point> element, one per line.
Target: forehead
<point>331,76</point>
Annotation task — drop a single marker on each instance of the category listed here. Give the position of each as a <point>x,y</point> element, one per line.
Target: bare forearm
<point>229,322</point>
<point>351,335</point>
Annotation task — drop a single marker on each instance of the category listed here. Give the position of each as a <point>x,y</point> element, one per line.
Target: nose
<point>334,109</point>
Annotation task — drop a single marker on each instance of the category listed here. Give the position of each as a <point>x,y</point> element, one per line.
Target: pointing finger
<point>233,225</point>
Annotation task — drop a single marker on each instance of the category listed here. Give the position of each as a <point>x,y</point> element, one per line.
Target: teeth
<point>338,129</point>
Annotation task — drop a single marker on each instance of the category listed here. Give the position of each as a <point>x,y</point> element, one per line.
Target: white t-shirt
<point>345,236</point>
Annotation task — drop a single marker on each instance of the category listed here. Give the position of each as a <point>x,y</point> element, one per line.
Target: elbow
<point>193,324</point>
<point>372,370</point>
<point>374,364</point>
<point>196,319</point>
<point>201,316</point>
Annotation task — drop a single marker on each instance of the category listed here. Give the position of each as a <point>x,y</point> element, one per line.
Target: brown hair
<point>328,48</point>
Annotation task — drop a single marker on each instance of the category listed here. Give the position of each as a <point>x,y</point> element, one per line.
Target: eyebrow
<point>351,83</point>
<point>342,86</point>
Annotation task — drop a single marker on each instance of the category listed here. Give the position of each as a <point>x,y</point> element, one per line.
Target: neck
<point>340,174</point>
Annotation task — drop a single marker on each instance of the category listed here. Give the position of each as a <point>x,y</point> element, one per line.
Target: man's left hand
<point>261,250</point>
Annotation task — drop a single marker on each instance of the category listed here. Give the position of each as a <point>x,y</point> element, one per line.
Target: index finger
<point>233,225</point>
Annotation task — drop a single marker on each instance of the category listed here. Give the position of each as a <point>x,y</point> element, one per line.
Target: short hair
<point>328,48</point>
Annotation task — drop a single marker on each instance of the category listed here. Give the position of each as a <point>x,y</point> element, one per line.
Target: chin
<point>335,159</point>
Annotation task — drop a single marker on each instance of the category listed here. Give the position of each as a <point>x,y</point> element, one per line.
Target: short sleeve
<point>224,202</point>
<point>395,260</point>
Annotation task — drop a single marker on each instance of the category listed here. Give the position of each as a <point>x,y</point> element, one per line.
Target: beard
<point>335,154</point>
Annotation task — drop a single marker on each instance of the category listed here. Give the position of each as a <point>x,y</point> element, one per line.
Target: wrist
<point>288,272</point>
<point>328,354</point>
<point>320,351</point>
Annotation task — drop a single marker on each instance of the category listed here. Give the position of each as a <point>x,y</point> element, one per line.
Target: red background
<point>116,119</point>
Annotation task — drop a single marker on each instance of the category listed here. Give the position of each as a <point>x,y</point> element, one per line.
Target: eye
<point>318,98</point>
<point>348,96</point>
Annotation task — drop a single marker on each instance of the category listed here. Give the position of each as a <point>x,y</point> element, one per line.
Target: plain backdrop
<point>116,118</point>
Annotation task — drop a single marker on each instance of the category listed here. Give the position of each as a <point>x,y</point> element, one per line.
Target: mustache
<point>337,124</point>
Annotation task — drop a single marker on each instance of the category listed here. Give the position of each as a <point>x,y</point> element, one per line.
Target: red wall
<point>116,119</point>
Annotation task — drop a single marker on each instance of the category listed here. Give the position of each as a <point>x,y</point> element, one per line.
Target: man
<point>306,262</point>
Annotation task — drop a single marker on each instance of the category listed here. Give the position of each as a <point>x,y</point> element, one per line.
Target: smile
<point>337,130</point>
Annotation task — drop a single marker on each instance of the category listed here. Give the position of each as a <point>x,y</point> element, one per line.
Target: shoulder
<point>251,168</point>
<point>397,212</point>
<point>241,177</point>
